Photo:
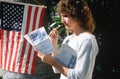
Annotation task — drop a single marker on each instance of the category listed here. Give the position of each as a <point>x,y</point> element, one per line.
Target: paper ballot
<point>40,40</point>
<point>66,56</point>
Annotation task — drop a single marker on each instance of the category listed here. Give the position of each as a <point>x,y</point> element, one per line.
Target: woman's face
<point>69,23</point>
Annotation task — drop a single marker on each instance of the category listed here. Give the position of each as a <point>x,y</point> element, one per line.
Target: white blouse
<point>86,48</point>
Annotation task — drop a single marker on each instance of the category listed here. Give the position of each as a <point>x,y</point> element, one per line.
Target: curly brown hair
<point>79,11</point>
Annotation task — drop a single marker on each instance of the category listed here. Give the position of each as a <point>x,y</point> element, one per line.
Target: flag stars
<point>12,16</point>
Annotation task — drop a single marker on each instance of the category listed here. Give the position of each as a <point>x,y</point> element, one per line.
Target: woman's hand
<point>53,35</point>
<point>53,62</point>
<point>45,57</point>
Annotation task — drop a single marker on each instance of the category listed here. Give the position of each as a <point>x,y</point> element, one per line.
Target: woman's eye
<point>65,16</point>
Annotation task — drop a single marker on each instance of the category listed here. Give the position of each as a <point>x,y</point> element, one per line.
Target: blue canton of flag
<point>12,16</point>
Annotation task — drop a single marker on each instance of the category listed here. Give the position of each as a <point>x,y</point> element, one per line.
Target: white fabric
<point>86,47</point>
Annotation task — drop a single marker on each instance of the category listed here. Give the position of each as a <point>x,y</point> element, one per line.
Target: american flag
<point>18,19</point>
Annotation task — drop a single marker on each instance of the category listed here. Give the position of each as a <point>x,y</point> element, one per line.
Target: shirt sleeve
<point>85,61</point>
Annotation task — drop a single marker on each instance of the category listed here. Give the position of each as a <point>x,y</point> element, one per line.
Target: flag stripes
<point>16,54</point>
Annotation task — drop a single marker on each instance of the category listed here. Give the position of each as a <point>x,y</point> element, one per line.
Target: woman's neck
<point>78,32</point>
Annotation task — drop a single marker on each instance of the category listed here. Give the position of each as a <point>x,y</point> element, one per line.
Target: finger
<point>39,55</point>
<point>53,34</point>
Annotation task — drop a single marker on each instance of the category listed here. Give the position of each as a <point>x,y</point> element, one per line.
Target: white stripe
<point>31,61</point>
<point>38,17</point>
<point>14,50</point>
<point>4,50</point>
<point>27,44</point>
<point>9,49</point>
<point>18,54</point>
<point>32,54</point>
<point>22,37</point>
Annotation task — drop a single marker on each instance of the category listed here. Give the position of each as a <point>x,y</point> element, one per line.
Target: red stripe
<point>41,17</point>
<point>17,51</point>
<point>2,46</point>
<point>7,45</point>
<point>35,18</point>
<point>35,53</point>
<point>24,42</point>
<point>30,48</point>
<point>11,49</point>
<point>34,63</point>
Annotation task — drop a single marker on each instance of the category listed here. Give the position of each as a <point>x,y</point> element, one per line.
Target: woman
<point>77,18</point>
